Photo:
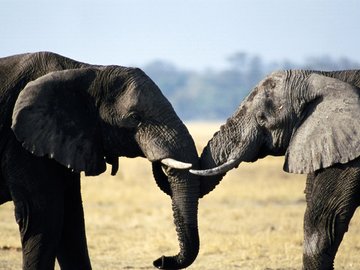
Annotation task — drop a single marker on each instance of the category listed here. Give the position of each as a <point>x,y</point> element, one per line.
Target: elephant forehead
<point>274,84</point>
<point>273,80</point>
<point>269,91</point>
<point>279,74</point>
<point>141,98</point>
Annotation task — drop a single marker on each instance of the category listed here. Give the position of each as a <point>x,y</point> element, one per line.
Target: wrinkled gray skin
<point>59,117</point>
<point>313,118</point>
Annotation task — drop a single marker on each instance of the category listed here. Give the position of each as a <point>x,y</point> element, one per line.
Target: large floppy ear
<point>55,116</point>
<point>329,132</point>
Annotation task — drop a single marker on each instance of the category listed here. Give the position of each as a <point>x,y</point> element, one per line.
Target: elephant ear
<point>55,116</point>
<point>329,132</point>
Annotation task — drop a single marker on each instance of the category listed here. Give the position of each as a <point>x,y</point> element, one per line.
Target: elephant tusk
<point>175,164</point>
<point>227,166</point>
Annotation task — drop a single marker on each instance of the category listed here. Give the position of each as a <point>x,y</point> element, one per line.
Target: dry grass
<point>253,220</point>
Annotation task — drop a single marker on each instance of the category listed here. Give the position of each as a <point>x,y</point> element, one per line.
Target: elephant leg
<point>4,193</point>
<point>72,252</point>
<point>332,197</point>
<point>37,189</point>
<point>39,217</point>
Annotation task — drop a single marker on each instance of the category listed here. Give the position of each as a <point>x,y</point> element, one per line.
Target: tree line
<point>214,95</point>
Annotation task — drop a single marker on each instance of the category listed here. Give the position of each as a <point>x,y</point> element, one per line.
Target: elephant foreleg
<point>37,189</point>
<point>4,193</point>
<point>332,198</point>
<point>40,222</point>
<point>72,252</point>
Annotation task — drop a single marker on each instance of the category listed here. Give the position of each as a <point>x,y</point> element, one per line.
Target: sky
<point>191,34</point>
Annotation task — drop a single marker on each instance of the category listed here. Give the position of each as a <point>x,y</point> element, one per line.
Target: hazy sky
<point>193,34</point>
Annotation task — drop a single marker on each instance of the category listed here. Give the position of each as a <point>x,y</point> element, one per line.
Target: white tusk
<point>217,170</point>
<point>172,163</point>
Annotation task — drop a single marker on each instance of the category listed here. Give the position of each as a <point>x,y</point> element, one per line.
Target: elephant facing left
<point>60,117</point>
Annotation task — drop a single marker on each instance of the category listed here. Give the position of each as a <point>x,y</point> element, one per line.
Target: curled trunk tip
<point>179,261</point>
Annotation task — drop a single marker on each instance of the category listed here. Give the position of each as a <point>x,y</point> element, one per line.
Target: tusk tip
<point>222,169</point>
<point>203,172</point>
<point>197,172</point>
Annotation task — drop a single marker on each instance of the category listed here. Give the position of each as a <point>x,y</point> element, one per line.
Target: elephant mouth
<point>162,172</point>
<point>170,154</point>
<point>161,178</point>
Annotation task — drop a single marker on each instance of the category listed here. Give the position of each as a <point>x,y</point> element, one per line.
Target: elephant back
<point>16,71</point>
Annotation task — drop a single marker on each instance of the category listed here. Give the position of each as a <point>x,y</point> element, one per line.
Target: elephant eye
<point>135,116</point>
<point>261,118</point>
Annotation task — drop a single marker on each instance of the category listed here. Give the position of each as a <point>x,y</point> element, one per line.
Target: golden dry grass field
<point>252,220</point>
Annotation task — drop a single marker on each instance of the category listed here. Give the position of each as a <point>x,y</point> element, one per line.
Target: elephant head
<point>313,118</point>
<point>85,117</point>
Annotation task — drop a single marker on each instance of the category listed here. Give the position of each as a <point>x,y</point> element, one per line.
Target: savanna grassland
<point>252,220</point>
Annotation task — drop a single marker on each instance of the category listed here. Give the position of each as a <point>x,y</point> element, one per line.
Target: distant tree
<point>214,95</point>
<point>239,61</point>
<point>255,71</point>
<point>167,75</point>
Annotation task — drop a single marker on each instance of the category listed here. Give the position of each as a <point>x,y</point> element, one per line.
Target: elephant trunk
<point>236,141</point>
<point>185,194</point>
<point>211,157</point>
<point>183,187</point>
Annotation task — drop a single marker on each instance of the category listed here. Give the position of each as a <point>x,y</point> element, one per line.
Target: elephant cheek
<point>154,153</point>
<point>153,147</point>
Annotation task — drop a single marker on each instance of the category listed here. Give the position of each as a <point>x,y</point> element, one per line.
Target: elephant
<point>313,119</point>
<point>60,117</point>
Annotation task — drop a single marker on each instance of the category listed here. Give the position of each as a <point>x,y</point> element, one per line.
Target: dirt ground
<point>252,220</point>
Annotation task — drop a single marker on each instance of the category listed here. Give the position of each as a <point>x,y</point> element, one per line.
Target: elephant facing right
<point>313,118</point>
